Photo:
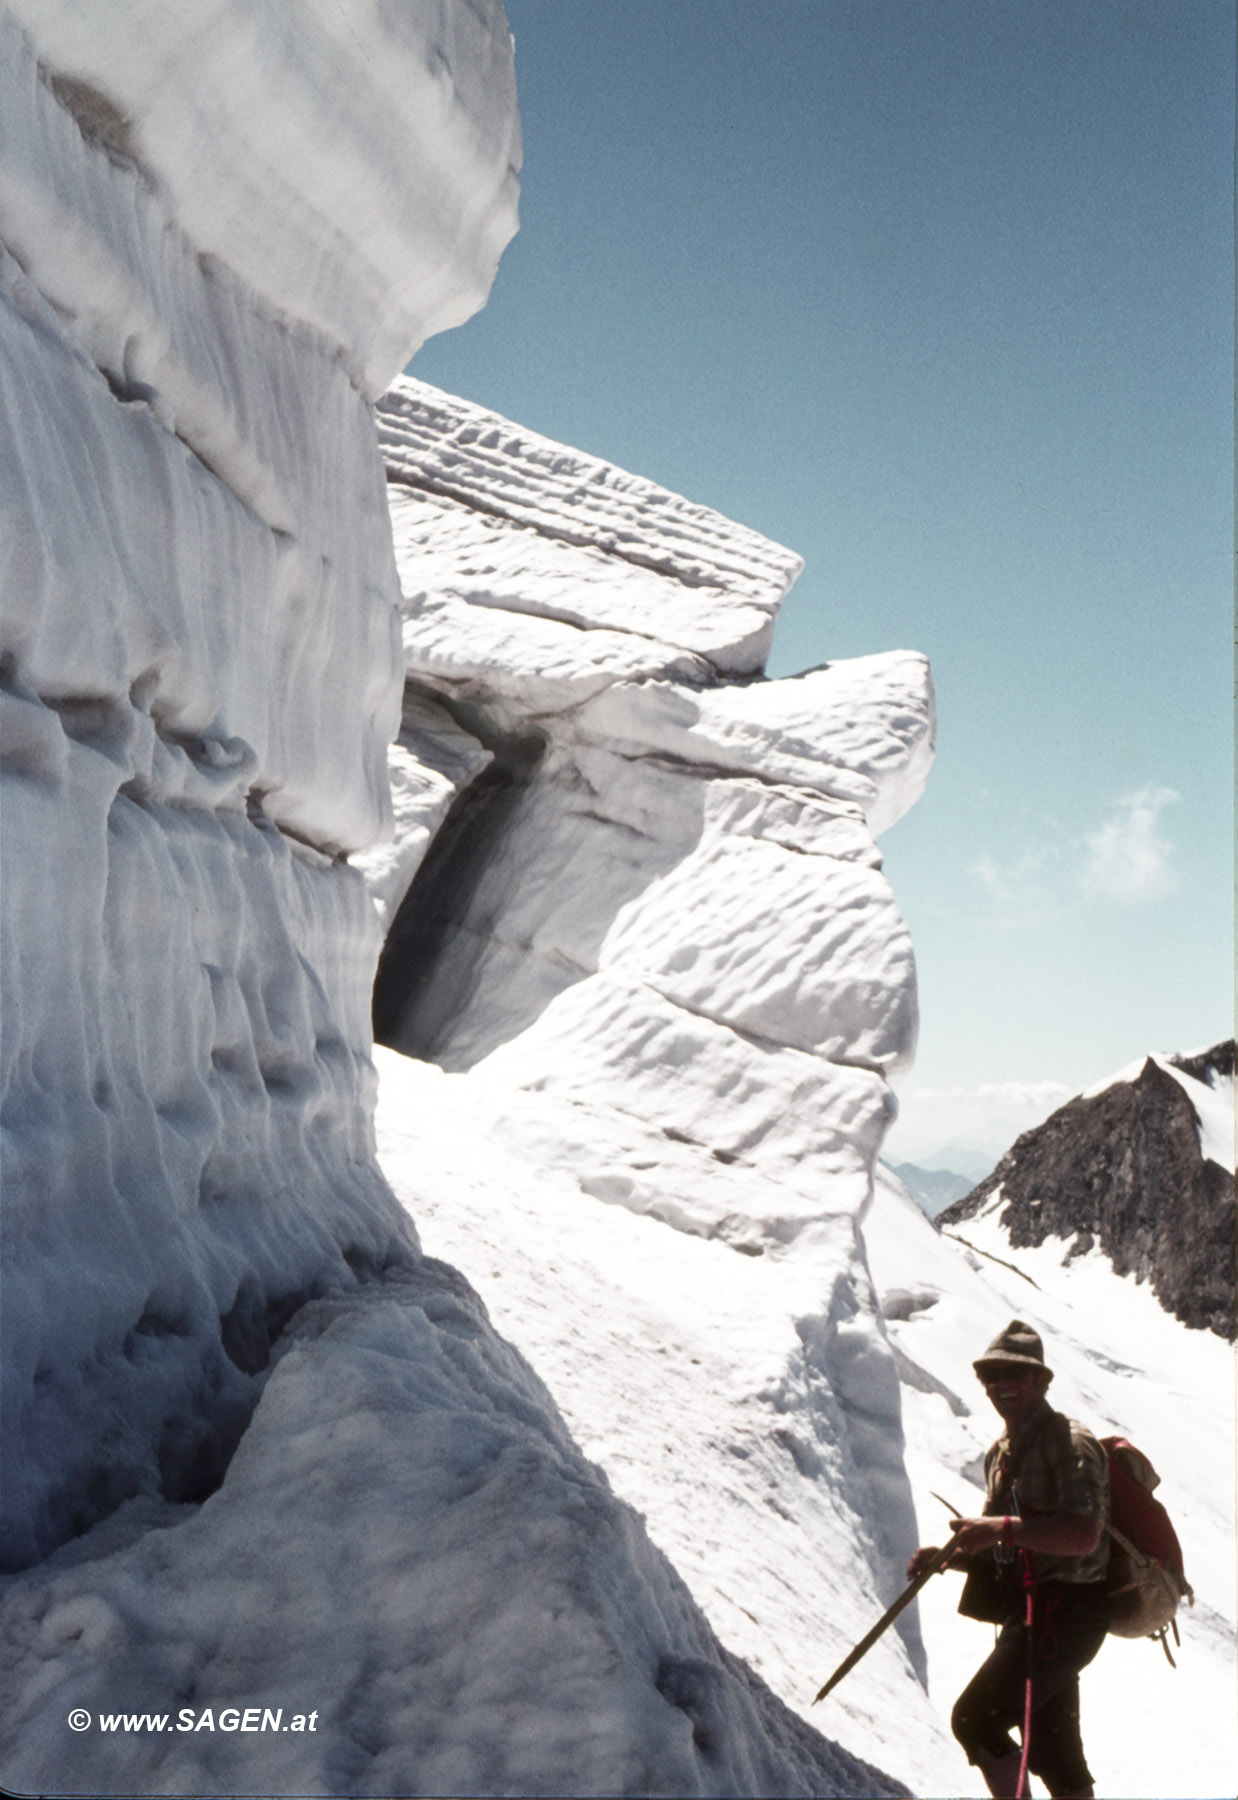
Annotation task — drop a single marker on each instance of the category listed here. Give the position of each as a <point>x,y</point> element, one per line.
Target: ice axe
<point>891,1613</point>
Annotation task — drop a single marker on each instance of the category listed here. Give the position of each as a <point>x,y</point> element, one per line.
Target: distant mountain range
<point>934,1189</point>
<point>1142,1166</point>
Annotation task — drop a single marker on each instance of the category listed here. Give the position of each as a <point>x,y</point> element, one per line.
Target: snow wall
<point>222,229</point>
<point>650,981</point>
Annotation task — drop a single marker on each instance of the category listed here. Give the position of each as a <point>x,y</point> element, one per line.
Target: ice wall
<point>658,891</point>
<point>221,227</point>
<point>275,1454</point>
<point>651,943</point>
<point>354,166</point>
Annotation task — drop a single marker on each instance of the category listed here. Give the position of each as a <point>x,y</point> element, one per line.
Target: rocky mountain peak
<point>1132,1167</point>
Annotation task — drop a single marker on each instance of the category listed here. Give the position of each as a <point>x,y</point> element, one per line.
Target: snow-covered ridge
<point>1207,1079</point>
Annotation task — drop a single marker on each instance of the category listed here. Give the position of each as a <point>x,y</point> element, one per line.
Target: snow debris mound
<point>221,227</point>
<point>1141,1165</point>
<point>1125,1366</point>
<point>647,982</point>
<point>519,1633</point>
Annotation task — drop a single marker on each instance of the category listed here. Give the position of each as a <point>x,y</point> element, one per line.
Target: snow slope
<point>410,1555</point>
<point>745,1404</point>
<point>1123,1365</point>
<point>683,1370</point>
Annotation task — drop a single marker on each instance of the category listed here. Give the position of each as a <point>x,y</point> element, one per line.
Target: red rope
<point>1026,1561</point>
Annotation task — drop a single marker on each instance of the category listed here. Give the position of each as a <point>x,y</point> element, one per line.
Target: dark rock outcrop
<point>1124,1169</point>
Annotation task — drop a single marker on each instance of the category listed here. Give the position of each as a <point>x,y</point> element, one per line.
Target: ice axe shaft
<point>888,1617</point>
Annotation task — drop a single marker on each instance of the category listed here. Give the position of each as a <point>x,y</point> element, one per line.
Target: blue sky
<point>939,294</point>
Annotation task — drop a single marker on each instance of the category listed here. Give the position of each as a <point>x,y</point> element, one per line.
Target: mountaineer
<point>1036,1565</point>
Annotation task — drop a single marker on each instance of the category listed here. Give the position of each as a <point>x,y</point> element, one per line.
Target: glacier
<point>544,1401</point>
<point>256,1442</point>
<point>194,532</point>
<point>649,982</point>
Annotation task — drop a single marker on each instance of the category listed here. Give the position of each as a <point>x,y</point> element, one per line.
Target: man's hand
<point>977,1535</point>
<point>920,1559</point>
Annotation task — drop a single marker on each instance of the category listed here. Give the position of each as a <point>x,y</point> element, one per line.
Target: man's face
<point>1015,1392</point>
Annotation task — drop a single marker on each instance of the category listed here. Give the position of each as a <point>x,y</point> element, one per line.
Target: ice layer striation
<point>649,982</point>
<point>200,675</point>
<point>259,1450</point>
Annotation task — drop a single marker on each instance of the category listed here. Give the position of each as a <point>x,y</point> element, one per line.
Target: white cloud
<point>1015,1094</point>
<point>1128,858</point>
<point>1010,884</point>
<point>985,1118</point>
<point>1023,890</point>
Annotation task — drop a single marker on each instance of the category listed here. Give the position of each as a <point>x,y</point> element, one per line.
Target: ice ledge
<point>621,553</point>
<point>377,231</point>
<point>860,732</point>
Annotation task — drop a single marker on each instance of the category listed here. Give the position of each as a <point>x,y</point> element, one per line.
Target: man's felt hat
<point>1018,1345</point>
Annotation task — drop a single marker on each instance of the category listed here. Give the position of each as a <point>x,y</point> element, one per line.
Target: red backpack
<point>1146,1579</point>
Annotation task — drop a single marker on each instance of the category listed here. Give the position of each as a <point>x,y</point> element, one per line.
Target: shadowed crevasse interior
<point>416,992</point>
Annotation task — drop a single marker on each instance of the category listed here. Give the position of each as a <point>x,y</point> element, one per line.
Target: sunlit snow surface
<point>1122,1365</point>
<point>673,1361</point>
<point>743,1403</point>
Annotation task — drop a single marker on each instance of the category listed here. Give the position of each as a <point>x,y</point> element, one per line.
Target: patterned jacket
<point>1054,1465</point>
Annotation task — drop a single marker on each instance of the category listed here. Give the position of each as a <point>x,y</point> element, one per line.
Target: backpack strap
<point>1149,1562</point>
